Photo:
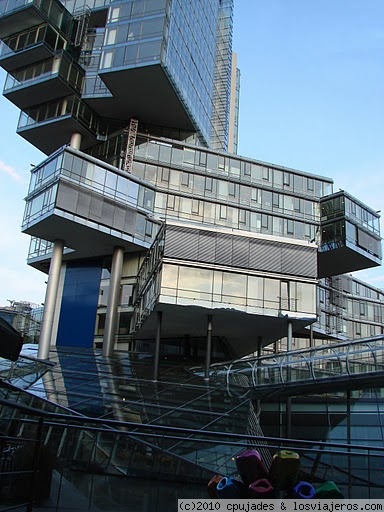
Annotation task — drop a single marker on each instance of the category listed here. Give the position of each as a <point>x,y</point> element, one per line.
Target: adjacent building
<point>25,317</point>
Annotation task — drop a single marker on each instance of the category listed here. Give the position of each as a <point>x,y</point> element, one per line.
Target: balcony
<point>350,236</point>
<point>87,203</point>
<point>45,81</point>
<point>50,125</point>
<point>21,15</point>
<point>29,47</point>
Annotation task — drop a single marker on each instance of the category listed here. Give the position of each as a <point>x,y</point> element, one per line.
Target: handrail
<point>304,369</point>
<point>166,428</point>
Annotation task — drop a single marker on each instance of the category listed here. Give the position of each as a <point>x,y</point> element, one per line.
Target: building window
<point>148,228</point>
<point>255,194</point>
<point>266,173</point>
<point>125,323</point>
<point>264,221</point>
<point>127,294</point>
<point>203,159</point>
<point>208,184</point>
<point>276,199</point>
<point>246,168</point>
<point>232,189</point>
<point>165,175</point>
<point>287,179</point>
<point>363,308</point>
<point>100,324</point>
<point>195,206</point>
<point>185,179</point>
<point>171,202</point>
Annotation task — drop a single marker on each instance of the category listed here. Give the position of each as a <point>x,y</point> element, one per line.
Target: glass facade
<point>191,55</point>
<point>133,36</point>
<point>222,79</point>
<point>169,278</point>
<point>350,230</point>
<point>219,189</point>
<point>66,167</point>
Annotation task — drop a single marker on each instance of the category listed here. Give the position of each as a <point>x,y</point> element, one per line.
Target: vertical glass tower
<point>164,62</point>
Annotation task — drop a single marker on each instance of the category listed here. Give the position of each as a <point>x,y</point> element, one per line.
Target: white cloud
<point>10,171</point>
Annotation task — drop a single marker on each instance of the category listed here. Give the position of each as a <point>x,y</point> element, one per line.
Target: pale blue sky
<point>312,85</point>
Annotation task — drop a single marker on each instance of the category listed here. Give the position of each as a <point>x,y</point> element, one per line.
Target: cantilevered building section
<point>156,235</point>
<point>91,69</point>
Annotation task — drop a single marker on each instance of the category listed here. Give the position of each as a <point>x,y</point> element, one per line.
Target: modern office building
<point>139,211</point>
<point>156,236</point>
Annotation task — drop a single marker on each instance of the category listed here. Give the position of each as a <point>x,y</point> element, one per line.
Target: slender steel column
<point>50,300</point>
<point>259,348</point>
<point>288,409</point>
<point>288,413</point>
<point>75,140</point>
<point>209,348</point>
<point>113,301</point>
<point>311,343</point>
<point>289,336</point>
<point>349,439</point>
<point>157,346</point>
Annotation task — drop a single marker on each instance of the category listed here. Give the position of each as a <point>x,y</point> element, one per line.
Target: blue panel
<point>79,304</point>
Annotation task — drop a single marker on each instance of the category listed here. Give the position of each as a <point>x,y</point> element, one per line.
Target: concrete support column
<point>157,346</point>
<point>75,140</point>
<point>50,300</point>
<point>209,348</point>
<point>113,301</point>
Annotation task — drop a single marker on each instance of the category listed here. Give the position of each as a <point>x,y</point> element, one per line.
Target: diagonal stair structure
<point>85,384</point>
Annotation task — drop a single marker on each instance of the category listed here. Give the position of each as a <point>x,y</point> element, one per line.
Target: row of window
<point>229,191</point>
<point>134,31</point>
<point>223,215</point>
<point>39,205</point>
<point>175,155</point>
<point>236,288</point>
<point>63,66</point>
<point>130,54</point>
<point>135,8</point>
<point>341,206</point>
<point>351,329</point>
<point>34,36</point>
<point>124,189</point>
